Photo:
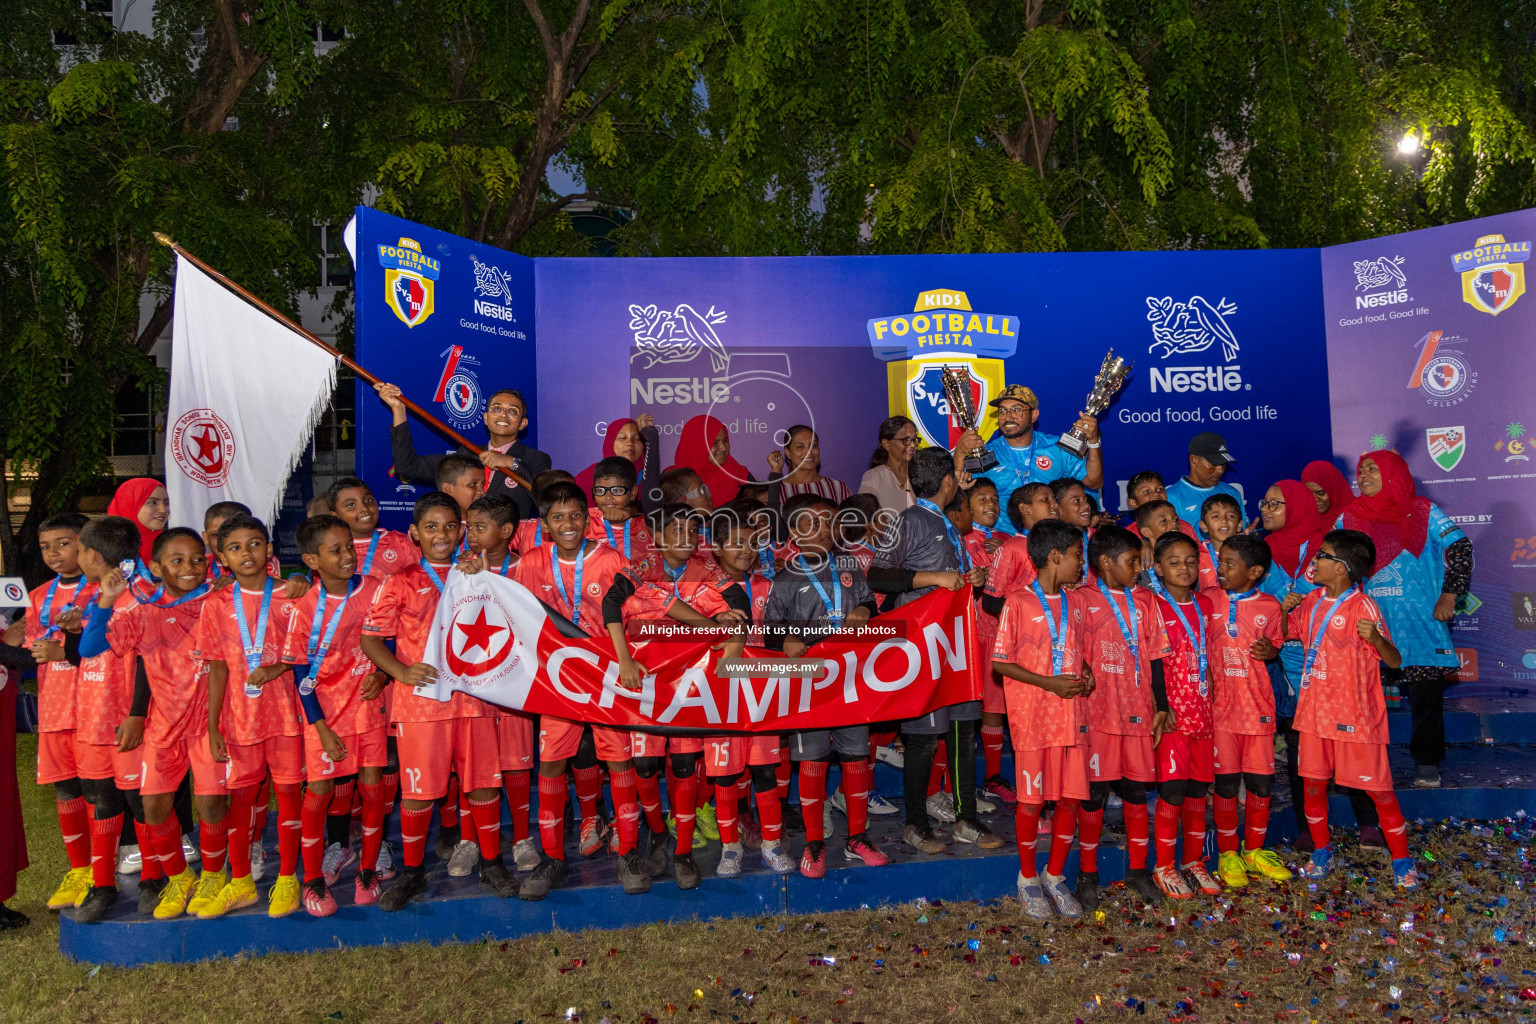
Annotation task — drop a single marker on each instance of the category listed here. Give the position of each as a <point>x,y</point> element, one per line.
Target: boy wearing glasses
<point>617,525</point>
<point>1026,455</point>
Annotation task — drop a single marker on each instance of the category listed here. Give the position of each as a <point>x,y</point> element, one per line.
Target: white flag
<point>246,394</point>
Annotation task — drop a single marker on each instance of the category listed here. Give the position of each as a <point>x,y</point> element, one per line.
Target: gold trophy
<point>1110,379</point>
<point>957,388</point>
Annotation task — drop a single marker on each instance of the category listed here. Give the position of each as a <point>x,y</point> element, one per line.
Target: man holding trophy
<point>1026,455</point>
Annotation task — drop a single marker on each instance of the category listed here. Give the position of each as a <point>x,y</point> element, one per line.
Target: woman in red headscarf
<point>635,440</point>
<point>1423,565</point>
<point>1295,527</point>
<point>143,500</point>
<point>704,446</point>
<point>1329,489</point>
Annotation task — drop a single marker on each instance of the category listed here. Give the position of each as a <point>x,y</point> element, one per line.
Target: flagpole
<point>347,361</point>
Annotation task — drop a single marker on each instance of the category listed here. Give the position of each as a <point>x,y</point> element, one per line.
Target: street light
<point>1408,145</point>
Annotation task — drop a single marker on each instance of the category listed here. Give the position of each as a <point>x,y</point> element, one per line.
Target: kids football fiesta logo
<point>408,279</point>
<point>1492,273</point>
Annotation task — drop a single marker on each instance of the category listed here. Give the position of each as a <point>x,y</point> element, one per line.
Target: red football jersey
<point>1243,699</point>
<point>339,681</point>
<point>104,690</point>
<point>530,532</point>
<point>391,552</point>
<point>275,712</point>
<point>1341,698</point>
<point>631,538</point>
<point>1189,695</point>
<point>1040,718</point>
<point>403,608</point>
<point>56,679</point>
<point>599,564</point>
<point>698,587</point>
<point>1122,703</point>
<point>1208,557</point>
<point>166,638</point>
<point>986,625</point>
<point>1011,568</point>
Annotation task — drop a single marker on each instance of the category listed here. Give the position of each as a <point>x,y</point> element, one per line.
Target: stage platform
<point>1481,782</point>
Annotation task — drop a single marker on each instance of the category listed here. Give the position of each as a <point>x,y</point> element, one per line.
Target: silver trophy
<point>957,388</point>
<point>1110,379</point>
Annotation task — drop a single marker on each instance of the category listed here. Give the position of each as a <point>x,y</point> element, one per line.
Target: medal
<point>253,646</point>
<point>833,604</point>
<point>322,646</point>
<point>1058,632</point>
<point>554,568</point>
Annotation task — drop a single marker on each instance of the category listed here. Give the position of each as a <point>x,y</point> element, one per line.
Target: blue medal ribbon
<point>45,614</point>
<point>986,531</point>
<point>437,581</point>
<point>506,563</point>
<point>833,604</point>
<point>961,555</point>
<point>373,545</point>
<point>153,600</point>
<point>1058,630</point>
<point>1317,637</point>
<point>320,647</point>
<point>1232,600</point>
<point>1196,637</point>
<point>554,568</point>
<point>252,646</point>
<point>676,576</point>
<point>608,529</point>
<point>1130,632</point>
<point>765,560</point>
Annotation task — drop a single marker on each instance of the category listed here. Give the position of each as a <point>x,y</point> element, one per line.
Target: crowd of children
<point>1124,662</point>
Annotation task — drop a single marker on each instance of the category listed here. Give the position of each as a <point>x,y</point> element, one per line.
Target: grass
<point>1352,949</point>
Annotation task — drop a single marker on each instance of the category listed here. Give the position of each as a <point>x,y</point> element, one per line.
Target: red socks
<point>992,749</point>
<point>552,816</point>
<point>448,806</point>
<point>312,831</point>
<point>391,790</point>
<point>770,814</point>
<point>486,814</point>
<point>212,842</point>
<point>589,787</point>
<point>260,807</point>
<point>1063,826</point>
<point>1226,822</point>
<point>1026,820</point>
<point>1089,826</point>
<point>104,834</point>
<point>649,796</point>
<point>684,794</point>
<point>813,794</point>
<point>726,805</point>
<point>856,778</point>
<point>165,840</point>
<point>239,820</point>
<point>626,808</point>
<point>516,785</point>
<point>1168,815</point>
<point>1194,829</point>
<point>75,828</point>
<point>1315,803</point>
<point>413,834</point>
<point>782,773</point>
<point>1256,828</point>
<point>374,808</point>
<point>290,820</point>
<point>1393,827</point>
<point>151,871</point>
<point>1136,836</point>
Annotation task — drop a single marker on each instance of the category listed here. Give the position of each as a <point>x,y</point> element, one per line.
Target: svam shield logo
<point>409,295</point>
<point>930,404</point>
<point>1447,445</point>
<point>1494,289</point>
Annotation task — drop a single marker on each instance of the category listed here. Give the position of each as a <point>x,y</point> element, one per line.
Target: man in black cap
<point>1208,462</point>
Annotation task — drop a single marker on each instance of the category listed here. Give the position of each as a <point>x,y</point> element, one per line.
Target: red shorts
<point>514,741</point>
<point>1112,757</point>
<point>249,763</point>
<point>1358,765</point>
<point>365,750</point>
<point>209,777</point>
<point>559,739</point>
<point>1239,752</point>
<point>725,756</point>
<point>430,751</point>
<point>56,757</point>
<point>1054,773</point>
<point>102,761</point>
<point>163,766</point>
<point>992,701</point>
<point>649,744</point>
<point>1185,757</point>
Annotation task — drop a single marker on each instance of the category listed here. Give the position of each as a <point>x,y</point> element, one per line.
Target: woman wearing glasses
<point>887,475</point>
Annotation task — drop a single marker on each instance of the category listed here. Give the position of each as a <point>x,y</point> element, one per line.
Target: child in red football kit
<point>1341,712</point>
<point>1185,752</point>
<point>491,520</point>
<point>1245,629</point>
<point>1145,488</point>
<point>1076,508</point>
<point>571,574</point>
<point>1048,683</point>
<point>380,553</point>
<point>433,737</point>
<point>1153,519</point>
<point>346,735</point>
<point>1220,518</point>
<point>168,723</point>
<point>58,538</point>
<point>1128,710</point>
<point>103,696</point>
<point>253,712</point>
<point>530,535</point>
<point>613,495</point>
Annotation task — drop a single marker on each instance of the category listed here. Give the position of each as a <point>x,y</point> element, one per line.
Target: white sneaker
<point>941,807</point>
<point>461,863</point>
<point>526,854</point>
<point>984,805</point>
<point>258,860</point>
<point>336,859</point>
<point>836,800</point>
<point>826,816</point>
<point>1056,888</point>
<point>384,867</point>
<point>776,859</point>
<point>730,861</point>
<point>189,850</point>
<point>129,860</point>
<point>1032,899</point>
<point>891,756</point>
<point>880,806</point>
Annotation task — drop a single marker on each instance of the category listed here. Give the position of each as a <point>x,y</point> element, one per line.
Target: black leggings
<point>960,755</point>
<point>683,766</point>
<point>1130,791</point>
<point>1260,786</point>
<point>106,799</point>
<point>1176,791</point>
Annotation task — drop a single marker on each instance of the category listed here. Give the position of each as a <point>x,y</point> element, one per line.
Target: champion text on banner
<point>493,639</point>
<point>246,393</point>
